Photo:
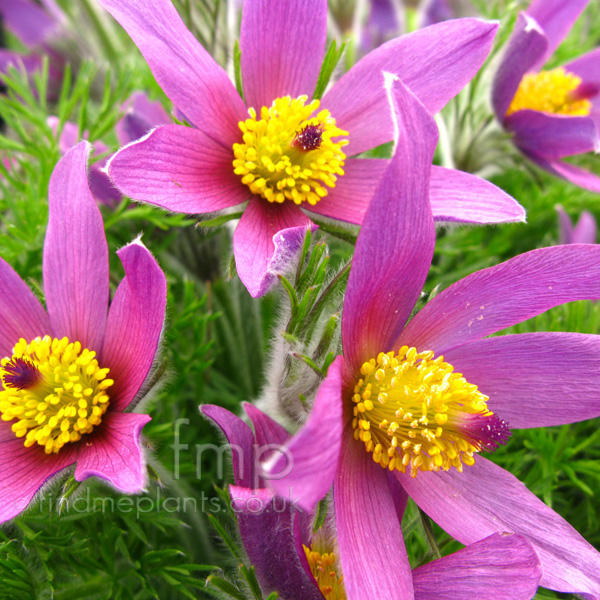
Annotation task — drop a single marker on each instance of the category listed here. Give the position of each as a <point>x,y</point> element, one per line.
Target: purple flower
<point>410,404</point>
<point>551,114</point>
<point>71,370</point>
<point>583,233</point>
<point>293,561</point>
<point>237,152</point>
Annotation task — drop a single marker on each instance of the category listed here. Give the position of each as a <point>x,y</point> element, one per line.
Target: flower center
<point>325,570</point>
<point>54,391</point>
<point>557,92</point>
<point>412,411</point>
<point>289,154</point>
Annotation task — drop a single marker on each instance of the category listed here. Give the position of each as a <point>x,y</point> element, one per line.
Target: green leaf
<point>332,57</point>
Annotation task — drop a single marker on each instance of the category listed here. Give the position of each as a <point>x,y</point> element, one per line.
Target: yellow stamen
<point>54,391</point>
<point>324,568</point>
<point>551,92</point>
<point>288,153</point>
<point>413,412</point>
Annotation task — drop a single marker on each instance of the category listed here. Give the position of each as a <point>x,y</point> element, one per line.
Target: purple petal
<point>282,44</point>
<point>556,17</point>
<point>186,72</point>
<point>587,66</point>
<point>486,499</point>
<point>586,229</point>
<point>266,241</point>
<point>75,254</point>
<point>313,452</point>
<point>180,169</point>
<point>28,21</point>
<point>21,314</point>
<point>520,375</point>
<point>552,136</point>
<point>24,471</point>
<point>565,225</point>
<point>496,298</point>
<point>465,198</point>
<point>527,43</point>
<point>395,245</point>
<point>241,440</point>
<point>267,531</point>
<point>500,567</point>
<point>141,115</point>
<point>385,22</point>
<point>266,430</point>
<point>134,323</point>
<point>114,453</point>
<point>28,64</point>
<point>435,63</point>
<point>367,526</point>
<point>575,175</point>
<point>102,188</point>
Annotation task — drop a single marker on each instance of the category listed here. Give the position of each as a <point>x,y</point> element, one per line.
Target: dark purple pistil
<point>309,138</point>
<point>488,431</point>
<point>20,374</point>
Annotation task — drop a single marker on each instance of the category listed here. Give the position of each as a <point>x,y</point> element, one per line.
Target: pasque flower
<point>415,403</point>
<point>71,371</point>
<point>291,559</point>
<point>584,232</point>
<point>278,149</point>
<point>551,113</point>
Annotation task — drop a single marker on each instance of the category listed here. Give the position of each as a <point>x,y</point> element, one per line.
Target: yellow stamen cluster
<point>551,92</point>
<point>324,568</point>
<point>274,165</point>
<point>63,398</point>
<point>411,410</point>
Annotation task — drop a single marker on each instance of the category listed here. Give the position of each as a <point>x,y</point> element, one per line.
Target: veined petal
<point>486,499</point>
<point>496,298</point>
<point>534,379</point>
<point>187,73</point>
<point>435,63</point>
<point>180,169</point>
<point>28,21</point>
<point>21,314</point>
<point>395,245</point>
<point>575,175</point>
<point>266,241</point>
<point>524,49</point>
<point>500,567</point>
<point>114,453</point>
<point>282,44</point>
<point>75,254</point>
<point>312,454</point>
<point>266,430</point>
<point>134,323</point>
<point>368,530</point>
<point>556,17</point>
<point>267,531</point>
<point>553,136</point>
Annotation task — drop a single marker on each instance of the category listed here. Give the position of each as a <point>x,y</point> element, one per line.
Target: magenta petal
<point>534,379</point>
<point>565,226</point>
<point>435,63</point>
<point>312,454</point>
<point>134,324</point>
<point>527,43</point>
<point>28,21</point>
<point>267,531</point>
<point>368,530</point>
<point>282,44</point>
<point>586,229</point>
<point>75,254</point>
<point>553,136</point>
<point>241,440</point>
<point>496,298</point>
<point>500,567</point>
<point>21,314</point>
<point>180,169</point>
<point>586,66</point>
<point>396,242</point>
<point>24,471</point>
<point>486,499</point>
<point>266,241</point>
<point>556,17</point>
<point>141,115</point>
<point>266,430</point>
<point>465,198</point>
<point>575,175</point>
<point>27,63</point>
<point>187,73</point>
<point>114,453</point>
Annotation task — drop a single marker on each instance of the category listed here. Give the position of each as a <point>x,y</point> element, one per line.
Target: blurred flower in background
<point>584,232</point>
